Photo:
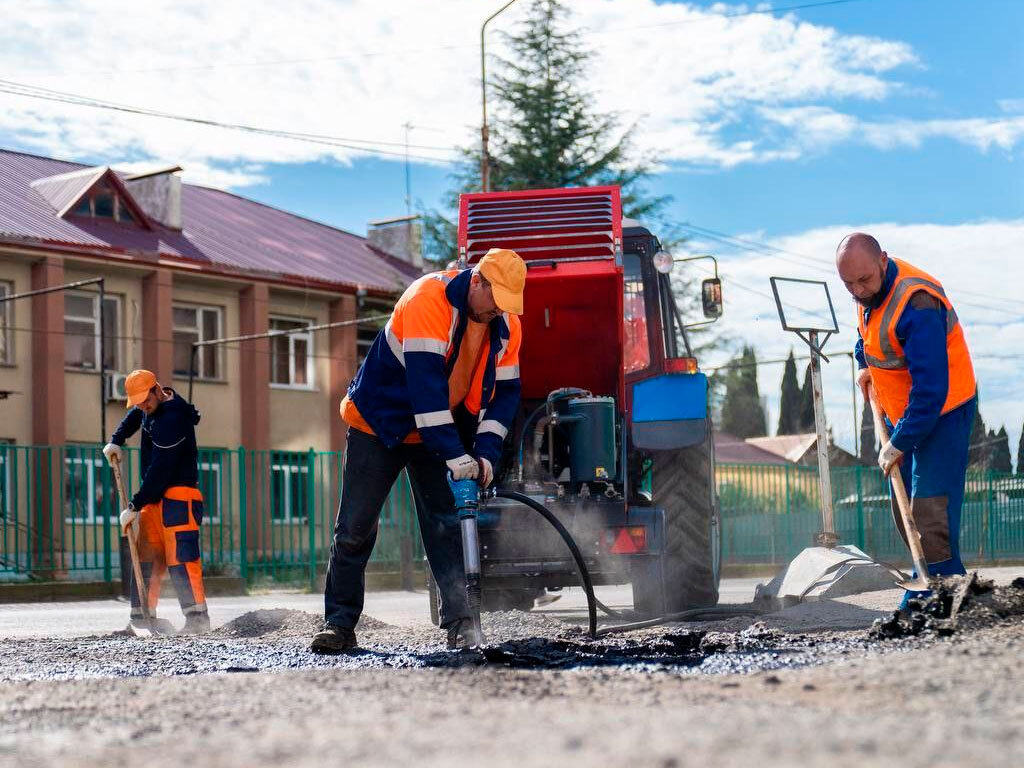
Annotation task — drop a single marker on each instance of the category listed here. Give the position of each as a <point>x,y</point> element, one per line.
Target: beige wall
<point>16,410</point>
<point>299,419</point>
<point>217,401</point>
<point>81,393</point>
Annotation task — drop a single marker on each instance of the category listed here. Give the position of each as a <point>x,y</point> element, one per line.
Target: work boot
<point>196,624</point>
<point>462,634</point>
<point>333,639</point>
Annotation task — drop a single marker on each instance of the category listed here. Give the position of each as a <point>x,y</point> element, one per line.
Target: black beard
<point>872,302</point>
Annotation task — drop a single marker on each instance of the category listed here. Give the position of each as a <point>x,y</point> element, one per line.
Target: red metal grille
<point>583,222</point>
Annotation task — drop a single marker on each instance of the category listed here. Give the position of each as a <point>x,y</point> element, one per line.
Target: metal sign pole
<point>827,537</point>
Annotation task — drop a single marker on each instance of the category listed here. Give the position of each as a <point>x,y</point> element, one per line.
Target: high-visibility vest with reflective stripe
<point>890,375</point>
<point>421,344</point>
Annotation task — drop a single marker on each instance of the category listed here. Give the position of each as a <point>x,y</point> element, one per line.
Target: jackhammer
<point>467,503</point>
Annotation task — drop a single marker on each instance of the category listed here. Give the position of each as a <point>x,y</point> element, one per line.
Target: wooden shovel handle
<point>132,535</point>
<point>902,500</point>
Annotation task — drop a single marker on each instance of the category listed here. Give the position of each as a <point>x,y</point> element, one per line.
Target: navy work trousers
<point>934,474</point>
<point>371,469</point>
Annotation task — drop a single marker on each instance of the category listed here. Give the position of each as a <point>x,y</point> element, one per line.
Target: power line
<point>33,92</point>
<point>780,253</point>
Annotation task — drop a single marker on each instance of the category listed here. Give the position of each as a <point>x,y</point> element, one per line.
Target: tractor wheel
<point>686,575</point>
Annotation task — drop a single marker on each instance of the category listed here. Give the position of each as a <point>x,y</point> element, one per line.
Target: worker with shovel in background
<point>168,504</point>
<point>915,363</point>
<point>436,394</point>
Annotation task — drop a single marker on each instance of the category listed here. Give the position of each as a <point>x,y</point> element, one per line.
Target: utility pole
<point>485,162</point>
<point>408,185</point>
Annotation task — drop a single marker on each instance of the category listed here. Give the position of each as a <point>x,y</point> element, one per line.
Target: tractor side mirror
<point>711,297</point>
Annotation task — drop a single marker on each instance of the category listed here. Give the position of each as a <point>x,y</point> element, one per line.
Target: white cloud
<point>363,68</point>
<point>976,262</point>
<point>817,128</point>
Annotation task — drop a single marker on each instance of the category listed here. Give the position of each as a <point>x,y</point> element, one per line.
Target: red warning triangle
<point>624,544</point>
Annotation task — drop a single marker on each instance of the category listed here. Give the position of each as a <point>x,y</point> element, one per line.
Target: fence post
<point>991,527</point>
<point>243,517</point>
<point>311,516</point>
<point>860,511</point>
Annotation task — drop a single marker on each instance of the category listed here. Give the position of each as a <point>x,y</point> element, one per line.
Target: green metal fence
<point>771,512</point>
<point>269,515</point>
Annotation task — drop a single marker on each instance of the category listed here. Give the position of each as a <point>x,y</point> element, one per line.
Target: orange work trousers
<point>169,541</point>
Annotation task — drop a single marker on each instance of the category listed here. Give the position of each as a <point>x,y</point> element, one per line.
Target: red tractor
<point>613,435</point>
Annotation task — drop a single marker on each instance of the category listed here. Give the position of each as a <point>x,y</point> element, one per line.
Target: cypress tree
<point>977,453</point>
<point>742,412</point>
<point>789,400</point>
<point>1020,453</point>
<point>1001,461</point>
<point>805,423</point>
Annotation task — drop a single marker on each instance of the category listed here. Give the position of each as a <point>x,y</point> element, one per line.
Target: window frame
<point>365,335</point>
<point>113,335</point>
<point>89,201</point>
<point>292,336</point>
<point>644,295</point>
<point>92,463</point>
<point>211,460</point>
<point>199,309</point>
<point>6,321</point>
<point>292,465</point>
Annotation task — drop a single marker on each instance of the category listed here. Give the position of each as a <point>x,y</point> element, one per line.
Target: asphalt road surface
<point>809,686</point>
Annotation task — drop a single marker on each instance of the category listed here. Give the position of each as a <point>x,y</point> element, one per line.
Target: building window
<point>211,463</point>
<point>291,356</point>
<point>367,332</point>
<point>88,487</point>
<point>289,486</point>
<point>103,202</point>
<point>6,315</point>
<point>82,331</point>
<point>193,324</point>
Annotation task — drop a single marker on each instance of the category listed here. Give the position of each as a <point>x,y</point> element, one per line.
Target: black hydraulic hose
<point>720,612</point>
<point>581,566</point>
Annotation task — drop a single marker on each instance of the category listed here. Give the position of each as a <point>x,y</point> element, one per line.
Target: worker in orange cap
<point>436,394</point>
<point>168,504</point>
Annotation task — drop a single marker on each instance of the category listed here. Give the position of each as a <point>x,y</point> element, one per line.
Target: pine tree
<point>742,412</point>
<point>789,399</point>
<point>545,132</point>
<point>868,449</point>
<point>1001,460</point>
<point>805,422</point>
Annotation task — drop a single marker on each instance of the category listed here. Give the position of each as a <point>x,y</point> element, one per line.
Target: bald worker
<point>913,356</point>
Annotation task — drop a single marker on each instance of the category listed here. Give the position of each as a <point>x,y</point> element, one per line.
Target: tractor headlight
<point>663,262</point>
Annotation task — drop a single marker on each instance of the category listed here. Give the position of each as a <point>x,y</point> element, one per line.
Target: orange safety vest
<point>890,376</point>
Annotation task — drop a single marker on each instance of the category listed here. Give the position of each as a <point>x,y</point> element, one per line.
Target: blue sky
<point>971,59</point>
<point>903,117</point>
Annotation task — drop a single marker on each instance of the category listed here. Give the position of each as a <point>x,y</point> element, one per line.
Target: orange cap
<point>506,273</point>
<point>137,386</point>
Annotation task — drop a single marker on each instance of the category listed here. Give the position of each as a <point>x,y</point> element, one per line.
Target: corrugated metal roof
<point>65,189</point>
<point>732,450</point>
<point>221,229</point>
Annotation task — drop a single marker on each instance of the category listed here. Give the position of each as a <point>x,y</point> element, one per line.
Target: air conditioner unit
<point>115,386</point>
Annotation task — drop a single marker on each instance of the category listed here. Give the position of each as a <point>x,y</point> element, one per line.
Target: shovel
<point>145,630</point>
<point>919,584</point>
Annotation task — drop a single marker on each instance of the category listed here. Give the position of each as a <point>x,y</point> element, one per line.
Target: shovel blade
<point>920,584</point>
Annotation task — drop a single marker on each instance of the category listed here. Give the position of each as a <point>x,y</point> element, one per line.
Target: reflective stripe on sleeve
<point>436,346</point>
<point>495,427</point>
<point>434,419</point>
<point>506,372</point>
<point>394,344</point>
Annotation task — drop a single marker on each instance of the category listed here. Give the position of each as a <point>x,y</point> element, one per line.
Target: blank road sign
<point>804,305</point>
